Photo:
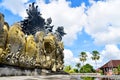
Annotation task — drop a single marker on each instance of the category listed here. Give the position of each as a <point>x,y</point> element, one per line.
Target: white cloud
<point>62,14</point>
<point>103,22</point>
<point>69,58</point>
<point>17,7</point>
<point>111,51</point>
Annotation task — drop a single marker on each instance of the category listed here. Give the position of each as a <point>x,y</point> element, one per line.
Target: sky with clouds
<point>89,24</point>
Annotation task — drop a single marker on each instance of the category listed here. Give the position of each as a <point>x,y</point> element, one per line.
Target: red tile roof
<point>111,63</point>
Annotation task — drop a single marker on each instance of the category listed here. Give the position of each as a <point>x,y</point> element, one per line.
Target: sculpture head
<point>49,21</point>
<point>39,36</point>
<point>15,33</point>
<point>30,38</point>
<point>34,22</point>
<point>31,47</point>
<point>16,38</point>
<point>60,30</point>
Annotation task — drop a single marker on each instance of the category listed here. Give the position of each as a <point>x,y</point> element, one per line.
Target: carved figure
<point>4,27</point>
<point>50,48</point>
<point>34,22</point>
<point>31,49</point>
<point>4,35</point>
<point>15,44</point>
<point>31,43</point>
<point>59,33</point>
<point>16,38</point>
<point>39,37</point>
<point>48,27</point>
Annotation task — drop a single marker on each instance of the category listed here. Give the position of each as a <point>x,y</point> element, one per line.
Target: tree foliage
<point>87,69</point>
<point>67,68</point>
<point>76,70</point>
<point>95,56</point>
<point>83,57</point>
<point>118,69</point>
<point>78,65</point>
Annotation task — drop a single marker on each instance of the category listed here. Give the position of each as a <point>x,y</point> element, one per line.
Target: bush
<point>76,70</point>
<point>67,68</point>
<point>87,69</point>
<point>71,71</point>
<point>100,71</point>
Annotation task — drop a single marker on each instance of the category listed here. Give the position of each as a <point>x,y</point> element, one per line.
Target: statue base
<point>9,70</point>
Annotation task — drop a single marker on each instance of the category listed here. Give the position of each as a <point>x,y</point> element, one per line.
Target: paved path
<point>58,77</point>
<point>51,77</point>
<point>97,76</point>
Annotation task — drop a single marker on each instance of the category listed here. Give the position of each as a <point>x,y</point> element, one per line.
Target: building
<point>109,67</point>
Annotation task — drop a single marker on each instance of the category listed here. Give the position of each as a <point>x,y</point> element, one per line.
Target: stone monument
<point>31,43</point>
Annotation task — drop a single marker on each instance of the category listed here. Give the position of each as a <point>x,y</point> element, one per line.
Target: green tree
<point>95,56</point>
<point>118,69</point>
<point>75,70</point>
<point>72,71</point>
<point>67,68</point>
<point>87,69</point>
<point>83,57</point>
<point>78,66</point>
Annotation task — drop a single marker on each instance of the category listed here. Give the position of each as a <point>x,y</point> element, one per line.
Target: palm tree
<point>83,57</point>
<point>78,66</point>
<point>95,56</point>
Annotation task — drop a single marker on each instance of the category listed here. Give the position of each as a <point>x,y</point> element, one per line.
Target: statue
<point>31,50</point>
<point>34,22</point>
<point>59,33</point>
<point>16,42</point>
<point>4,27</point>
<point>48,27</point>
<point>31,43</point>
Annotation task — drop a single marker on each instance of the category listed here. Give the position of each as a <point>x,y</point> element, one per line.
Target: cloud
<point>63,15</point>
<point>111,51</point>
<point>69,58</point>
<point>17,7</point>
<point>103,22</point>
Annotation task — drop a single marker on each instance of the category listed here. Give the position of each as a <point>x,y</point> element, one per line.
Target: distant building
<point>110,66</point>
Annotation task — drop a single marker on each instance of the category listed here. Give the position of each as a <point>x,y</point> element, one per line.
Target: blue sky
<point>89,24</point>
